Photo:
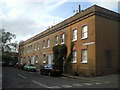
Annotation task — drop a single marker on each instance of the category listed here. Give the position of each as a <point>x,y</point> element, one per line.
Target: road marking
<point>66,86</point>
<point>40,84</point>
<point>87,84</point>
<point>54,87</point>
<point>77,84</point>
<point>21,76</point>
<point>98,83</point>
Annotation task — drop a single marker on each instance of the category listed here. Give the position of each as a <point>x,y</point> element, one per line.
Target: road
<point>15,78</point>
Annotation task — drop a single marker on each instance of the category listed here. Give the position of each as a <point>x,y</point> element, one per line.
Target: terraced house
<point>94,32</point>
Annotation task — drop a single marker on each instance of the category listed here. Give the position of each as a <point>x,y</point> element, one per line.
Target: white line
<point>87,84</point>
<point>98,83</point>
<point>21,76</point>
<point>54,87</point>
<point>77,84</point>
<point>66,86</point>
<point>40,84</point>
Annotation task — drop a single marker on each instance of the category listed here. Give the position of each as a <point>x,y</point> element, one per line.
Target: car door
<point>45,69</point>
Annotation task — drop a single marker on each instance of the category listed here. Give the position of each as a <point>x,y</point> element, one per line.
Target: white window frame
<point>56,40</point>
<point>62,38</point>
<point>74,35</point>
<point>38,46</point>
<point>84,32</point>
<point>44,43</point>
<point>48,43</point>
<point>31,48</point>
<point>84,56</point>
<point>35,46</point>
<point>74,56</point>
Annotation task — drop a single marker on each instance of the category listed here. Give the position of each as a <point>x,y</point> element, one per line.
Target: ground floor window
<point>32,60</point>
<point>74,57</point>
<point>84,56</point>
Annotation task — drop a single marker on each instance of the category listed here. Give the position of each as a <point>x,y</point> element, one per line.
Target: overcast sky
<point>27,18</point>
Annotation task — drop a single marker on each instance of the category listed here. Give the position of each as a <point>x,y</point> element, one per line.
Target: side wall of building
<point>106,45</point>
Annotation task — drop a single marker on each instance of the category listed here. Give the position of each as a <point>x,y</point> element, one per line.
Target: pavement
<point>113,78</point>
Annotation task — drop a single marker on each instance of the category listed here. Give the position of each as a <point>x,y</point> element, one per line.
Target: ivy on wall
<point>59,54</point>
<point>68,65</point>
<point>60,59</point>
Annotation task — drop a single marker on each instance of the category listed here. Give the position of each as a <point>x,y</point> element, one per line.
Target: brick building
<point>94,32</point>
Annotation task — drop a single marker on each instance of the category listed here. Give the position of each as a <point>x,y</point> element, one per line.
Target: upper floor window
<point>48,43</point>
<point>56,40</point>
<point>35,46</point>
<point>84,32</point>
<point>31,48</point>
<point>62,38</point>
<point>38,44</point>
<point>44,44</point>
<point>28,48</point>
<point>74,35</point>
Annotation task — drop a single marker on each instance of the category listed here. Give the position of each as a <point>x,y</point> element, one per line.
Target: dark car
<point>12,64</point>
<point>21,66</point>
<point>51,70</point>
<point>16,65</point>
<point>4,64</point>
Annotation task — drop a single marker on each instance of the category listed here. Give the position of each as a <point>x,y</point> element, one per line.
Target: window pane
<point>84,32</point>
<point>84,55</point>
<point>62,38</point>
<point>75,35</point>
<point>74,56</point>
<point>56,40</point>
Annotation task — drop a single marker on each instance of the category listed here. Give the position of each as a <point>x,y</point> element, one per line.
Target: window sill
<point>74,62</point>
<point>47,47</point>
<point>74,40</point>
<point>56,44</point>
<point>84,62</point>
<point>63,43</point>
<point>84,38</point>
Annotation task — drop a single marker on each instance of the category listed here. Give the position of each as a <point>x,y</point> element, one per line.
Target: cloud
<point>57,4</point>
<point>26,19</point>
<point>111,5</point>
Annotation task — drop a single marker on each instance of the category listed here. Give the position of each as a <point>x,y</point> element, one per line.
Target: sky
<point>27,18</point>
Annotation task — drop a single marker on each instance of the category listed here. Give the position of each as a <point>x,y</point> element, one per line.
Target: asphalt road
<point>15,78</point>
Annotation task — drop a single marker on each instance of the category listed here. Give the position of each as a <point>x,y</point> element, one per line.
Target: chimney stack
<point>79,9</point>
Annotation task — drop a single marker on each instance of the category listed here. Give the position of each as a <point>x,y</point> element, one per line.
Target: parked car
<point>51,70</point>
<point>4,64</point>
<point>30,67</point>
<point>12,64</point>
<point>16,65</point>
<point>21,66</point>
